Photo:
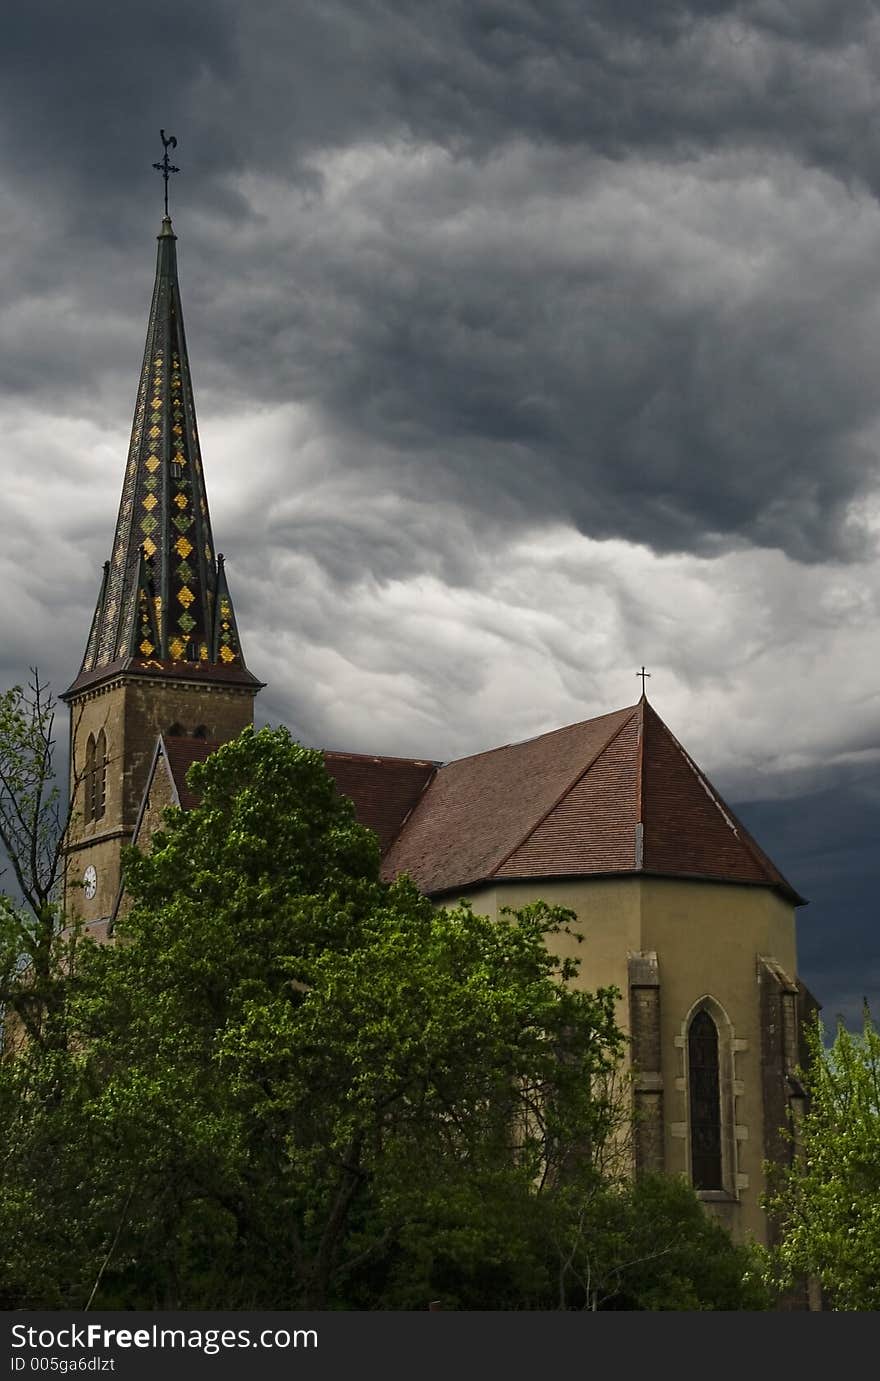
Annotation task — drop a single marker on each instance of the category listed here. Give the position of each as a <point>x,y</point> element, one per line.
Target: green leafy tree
<point>50,1253</point>
<point>587,1244</point>
<point>827,1204</point>
<point>279,1043</point>
<point>289,1084</point>
<point>650,1245</point>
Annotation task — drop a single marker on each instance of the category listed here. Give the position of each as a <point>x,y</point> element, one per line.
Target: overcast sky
<point>532,341</point>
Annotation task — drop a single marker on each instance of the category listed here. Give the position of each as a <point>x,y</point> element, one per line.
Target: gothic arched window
<point>89,780</point>
<point>705,1102</point>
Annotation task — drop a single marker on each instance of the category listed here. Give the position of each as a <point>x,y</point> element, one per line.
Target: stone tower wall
<point>132,711</point>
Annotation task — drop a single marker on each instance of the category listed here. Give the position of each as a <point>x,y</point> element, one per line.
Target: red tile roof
<point>612,795</point>
<point>384,790</point>
<point>689,830</point>
<point>181,754</point>
<point>478,811</point>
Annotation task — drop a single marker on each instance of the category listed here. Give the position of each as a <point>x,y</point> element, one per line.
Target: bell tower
<point>163,653</point>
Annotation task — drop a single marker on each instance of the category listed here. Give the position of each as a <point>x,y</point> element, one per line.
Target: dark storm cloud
<point>277,79</point>
<point>608,384</point>
<point>634,407</point>
<point>825,839</point>
<point>81,82</point>
<point>459,277</point>
<point>557,353</point>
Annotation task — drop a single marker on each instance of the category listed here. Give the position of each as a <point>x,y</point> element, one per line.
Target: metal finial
<point>166,167</point>
<point>646,676</point>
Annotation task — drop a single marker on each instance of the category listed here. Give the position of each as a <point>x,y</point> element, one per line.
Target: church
<point>679,906</point>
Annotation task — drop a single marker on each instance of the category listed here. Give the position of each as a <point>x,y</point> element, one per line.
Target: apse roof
<point>612,795</point>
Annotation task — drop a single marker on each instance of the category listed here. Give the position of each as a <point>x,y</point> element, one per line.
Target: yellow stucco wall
<point>609,919</point>
<point>707,938</point>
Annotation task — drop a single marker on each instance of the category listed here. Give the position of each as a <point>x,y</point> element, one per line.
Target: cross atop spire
<point>166,167</point>
<point>646,676</point>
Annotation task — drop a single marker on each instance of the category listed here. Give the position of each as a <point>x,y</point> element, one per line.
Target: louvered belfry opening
<point>99,781</point>
<point>705,1102</point>
<point>89,780</point>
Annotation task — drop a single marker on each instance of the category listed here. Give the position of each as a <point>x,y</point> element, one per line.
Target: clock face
<point>90,881</point>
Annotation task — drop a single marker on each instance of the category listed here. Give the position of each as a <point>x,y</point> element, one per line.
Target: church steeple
<point>163,657</point>
<point>161,596</point>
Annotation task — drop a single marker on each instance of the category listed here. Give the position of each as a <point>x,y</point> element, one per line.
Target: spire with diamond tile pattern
<point>164,602</point>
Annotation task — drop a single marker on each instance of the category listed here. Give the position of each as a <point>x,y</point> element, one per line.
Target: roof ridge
<point>173,740</point>
<point>421,796</point>
<point>493,872</point>
<point>533,738</point>
<point>639,832</point>
<point>640,764</point>
<point>380,757</point>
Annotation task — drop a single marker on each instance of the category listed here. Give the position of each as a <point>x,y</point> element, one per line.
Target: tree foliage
<point>289,1084</point>
<point>828,1202</point>
<point>651,1245</point>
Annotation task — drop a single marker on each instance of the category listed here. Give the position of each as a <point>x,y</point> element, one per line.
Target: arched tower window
<point>705,1102</point>
<point>100,776</point>
<point>89,780</point>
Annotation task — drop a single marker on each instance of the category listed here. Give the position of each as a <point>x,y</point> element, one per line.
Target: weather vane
<point>166,167</point>
<point>646,676</point>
